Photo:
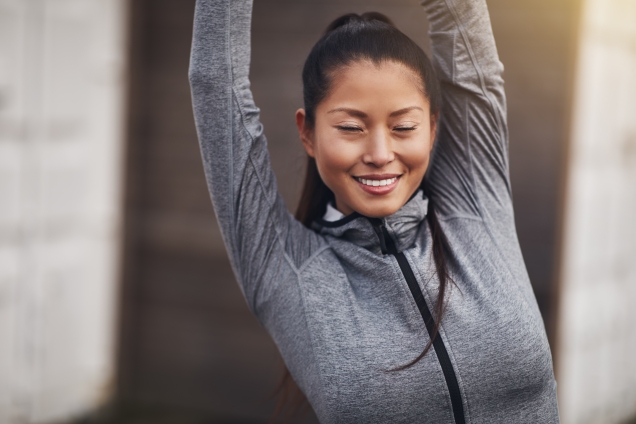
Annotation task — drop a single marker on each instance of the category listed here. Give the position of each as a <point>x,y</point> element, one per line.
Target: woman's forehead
<point>389,86</point>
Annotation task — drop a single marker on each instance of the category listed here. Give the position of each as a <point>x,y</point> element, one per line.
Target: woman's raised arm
<point>258,231</point>
<point>469,171</point>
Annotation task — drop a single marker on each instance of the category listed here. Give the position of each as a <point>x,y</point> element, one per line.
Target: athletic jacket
<point>346,301</point>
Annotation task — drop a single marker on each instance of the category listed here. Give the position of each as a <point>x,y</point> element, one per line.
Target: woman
<point>402,295</point>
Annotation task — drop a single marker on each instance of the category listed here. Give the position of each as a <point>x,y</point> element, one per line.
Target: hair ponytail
<point>349,38</point>
<point>354,17</point>
<point>314,196</point>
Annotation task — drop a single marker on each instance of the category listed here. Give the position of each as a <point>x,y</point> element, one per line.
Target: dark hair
<point>348,39</point>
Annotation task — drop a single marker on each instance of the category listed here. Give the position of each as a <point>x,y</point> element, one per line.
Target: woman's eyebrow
<point>352,112</point>
<point>405,110</point>
<point>359,114</point>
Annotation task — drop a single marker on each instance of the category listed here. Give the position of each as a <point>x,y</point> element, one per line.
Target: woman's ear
<point>306,134</point>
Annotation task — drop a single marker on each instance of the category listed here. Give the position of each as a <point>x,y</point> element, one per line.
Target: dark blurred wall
<point>187,338</point>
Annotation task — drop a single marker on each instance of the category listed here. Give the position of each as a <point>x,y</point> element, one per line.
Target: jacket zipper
<point>388,247</point>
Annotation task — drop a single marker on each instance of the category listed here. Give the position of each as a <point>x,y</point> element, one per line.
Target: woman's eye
<point>404,129</point>
<point>349,128</point>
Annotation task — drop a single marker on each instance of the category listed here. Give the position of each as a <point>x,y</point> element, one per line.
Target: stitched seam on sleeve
<point>309,260</point>
<point>311,336</point>
<point>478,198</point>
<point>462,31</point>
<point>479,71</point>
<point>228,55</point>
<point>471,54</point>
<point>260,181</point>
<point>305,263</point>
<point>471,160</point>
<point>285,255</point>
<point>493,108</point>
<point>460,216</point>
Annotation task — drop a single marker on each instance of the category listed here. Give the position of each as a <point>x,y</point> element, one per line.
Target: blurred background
<point>117,302</point>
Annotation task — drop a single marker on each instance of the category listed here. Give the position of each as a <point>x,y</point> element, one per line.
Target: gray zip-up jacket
<point>347,300</point>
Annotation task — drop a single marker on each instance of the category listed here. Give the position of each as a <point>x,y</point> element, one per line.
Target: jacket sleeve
<point>469,174</point>
<point>260,235</point>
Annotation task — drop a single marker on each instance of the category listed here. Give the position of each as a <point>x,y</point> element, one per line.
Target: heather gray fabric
<point>339,311</point>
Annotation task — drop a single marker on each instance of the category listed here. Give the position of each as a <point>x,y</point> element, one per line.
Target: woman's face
<point>372,137</point>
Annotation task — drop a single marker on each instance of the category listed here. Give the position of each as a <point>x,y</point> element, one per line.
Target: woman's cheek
<point>339,156</point>
<point>415,154</point>
<point>332,169</point>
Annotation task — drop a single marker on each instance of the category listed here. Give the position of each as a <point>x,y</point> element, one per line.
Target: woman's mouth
<point>378,184</point>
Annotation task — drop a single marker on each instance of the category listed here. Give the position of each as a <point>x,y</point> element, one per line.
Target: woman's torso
<point>362,322</point>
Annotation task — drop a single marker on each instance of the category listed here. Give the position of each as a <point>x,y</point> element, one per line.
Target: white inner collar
<point>332,214</point>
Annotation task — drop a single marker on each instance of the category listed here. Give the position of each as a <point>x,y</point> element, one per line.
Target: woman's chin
<point>378,208</point>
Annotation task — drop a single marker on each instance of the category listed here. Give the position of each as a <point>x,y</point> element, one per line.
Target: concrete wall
<point>597,336</point>
<point>61,113</point>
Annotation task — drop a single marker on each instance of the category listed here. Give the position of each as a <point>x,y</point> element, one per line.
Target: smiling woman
<point>372,137</point>
<point>398,292</point>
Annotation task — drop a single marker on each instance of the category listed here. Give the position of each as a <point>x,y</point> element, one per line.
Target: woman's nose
<point>378,149</point>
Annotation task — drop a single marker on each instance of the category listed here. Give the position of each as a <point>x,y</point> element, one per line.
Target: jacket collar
<point>402,226</point>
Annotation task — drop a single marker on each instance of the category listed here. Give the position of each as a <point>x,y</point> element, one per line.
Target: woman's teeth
<point>377,183</point>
